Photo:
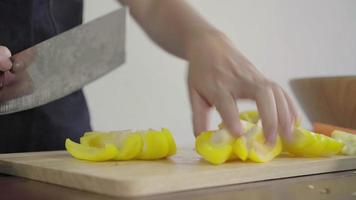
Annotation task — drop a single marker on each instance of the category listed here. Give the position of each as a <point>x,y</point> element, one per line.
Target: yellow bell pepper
<point>171,143</point>
<point>146,145</point>
<point>129,144</point>
<point>215,146</point>
<point>84,152</point>
<point>305,143</point>
<point>219,146</point>
<point>349,141</point>
<point>252,145</point>
<point>241,149</point>
<point>95,139</point>
<point>309,144</point>
<point>155,145</point>
<point>251,116</point>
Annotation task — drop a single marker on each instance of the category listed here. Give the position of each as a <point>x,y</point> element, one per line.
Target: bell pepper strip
<point>309,144</point>
<point>146,145</point>
<point>214,146</point>
<point>305,143</point>
<point>219,146</point>
<point>259,151</point>
<point>240,148</point>
<point>349,141</point>
<point>128,144</point>
<point>251,116</point>
<point>251,145</point>
<point>95,139</point>
<point>328,129</point>
<point>84,152</point>
<point>171,143</point>
<point>155,145</point>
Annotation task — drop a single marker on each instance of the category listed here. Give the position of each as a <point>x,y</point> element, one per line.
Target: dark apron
<point>24,23</point>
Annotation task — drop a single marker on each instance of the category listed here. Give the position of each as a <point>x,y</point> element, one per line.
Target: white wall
<point>283,38</point>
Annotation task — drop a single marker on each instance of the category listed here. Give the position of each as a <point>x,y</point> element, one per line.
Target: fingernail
<point>271,139</point>
<point>236,130</point>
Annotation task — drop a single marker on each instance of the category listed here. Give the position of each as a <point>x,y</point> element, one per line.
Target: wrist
<point>202,38</point>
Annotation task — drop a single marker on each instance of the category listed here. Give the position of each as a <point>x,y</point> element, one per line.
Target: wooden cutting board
<point>185,171</point>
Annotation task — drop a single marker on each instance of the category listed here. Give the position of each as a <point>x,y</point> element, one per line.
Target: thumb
<point>5,62</point>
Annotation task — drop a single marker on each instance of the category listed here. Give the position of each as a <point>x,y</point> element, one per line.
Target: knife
<point>63,64</point>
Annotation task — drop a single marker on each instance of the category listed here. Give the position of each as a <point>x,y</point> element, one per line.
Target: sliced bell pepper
<point>84,152</point>
<point>241,149</point>
<point>129,144</point>
<point>147,145</point>
<point>95,139</point>
<point>155,145</point>
<point>171,143</point>
<point>215,146</point>
<point>219,146</point>
<point>251,145</point>
<point>309,144</point>
<point>305,143</point>
<point>257,149</point>
<point>349,141</point>
<point>251,116</point>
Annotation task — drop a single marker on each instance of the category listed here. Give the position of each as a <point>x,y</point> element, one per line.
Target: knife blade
<point>63,64</point>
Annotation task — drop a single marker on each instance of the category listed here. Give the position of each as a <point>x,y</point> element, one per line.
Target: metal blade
<point>63,64</point>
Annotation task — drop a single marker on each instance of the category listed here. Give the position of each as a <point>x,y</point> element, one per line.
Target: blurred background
<point>285,39</point>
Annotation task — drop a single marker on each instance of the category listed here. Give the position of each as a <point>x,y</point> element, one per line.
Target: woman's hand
<point>5,62</point>
<point>219,75</point>
<point>17,82</point>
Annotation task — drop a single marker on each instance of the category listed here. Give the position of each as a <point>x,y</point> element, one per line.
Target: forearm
<point>172,24</point>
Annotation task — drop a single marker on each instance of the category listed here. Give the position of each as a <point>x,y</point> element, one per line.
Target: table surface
<point>338,185</point>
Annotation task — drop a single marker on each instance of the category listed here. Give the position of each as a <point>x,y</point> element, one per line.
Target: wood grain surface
<point>185,171</point>
<point>330,100</point>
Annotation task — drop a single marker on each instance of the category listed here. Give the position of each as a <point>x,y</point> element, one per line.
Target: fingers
<point>5,51</point>
<point>200,109</point>
<point>277,112</point>
<point>292,108</point>
<point>21,85</point>
<point>267,108</point>
<point>5,62</point>
<point>226,106</point>
<point>285,121</point>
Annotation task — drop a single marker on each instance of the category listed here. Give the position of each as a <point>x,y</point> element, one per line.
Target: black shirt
<point>24,23</point>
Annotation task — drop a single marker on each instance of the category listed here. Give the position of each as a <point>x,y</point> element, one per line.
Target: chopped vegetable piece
<point>218,146</point>
<point>171,143</point>
<point>349,141</point>
<point>251,116</point>
<point>259,151</point>
<point>310,144</point>
<point>146,145</point>
<point>155,145</point>
<point>215,146</point>
<point>84,152</point>
<point>252,146</point>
